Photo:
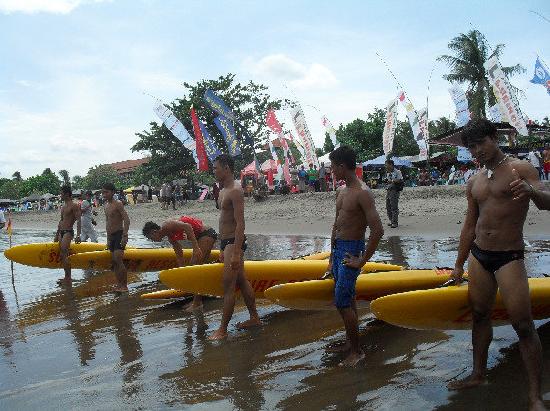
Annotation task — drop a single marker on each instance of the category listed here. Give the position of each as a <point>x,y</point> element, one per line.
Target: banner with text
<point>389,127</point>
<point>304,135</point>
<point>229,135</point>
<point>414,121</point>
<point>461,105</point>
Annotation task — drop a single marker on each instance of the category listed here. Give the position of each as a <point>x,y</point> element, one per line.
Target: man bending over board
<point>202,238</point>
<point>232,247</point>
<point>70,212</point>
<point>117,235</point>
<point>492,237</point>
<point>355,210</point>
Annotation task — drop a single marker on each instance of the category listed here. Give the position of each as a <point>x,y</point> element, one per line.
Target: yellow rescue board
<point>317,256</point>
<point>136,259</point>
<point>447,308</point>
<point>46,255</point>
<point>165,294</point>
<point>207,279</point>
<point>319,294</point>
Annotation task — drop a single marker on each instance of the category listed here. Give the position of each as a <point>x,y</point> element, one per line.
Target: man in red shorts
<point>202,239</point>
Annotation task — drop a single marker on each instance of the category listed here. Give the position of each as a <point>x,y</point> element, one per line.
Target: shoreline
<point>429,212</point>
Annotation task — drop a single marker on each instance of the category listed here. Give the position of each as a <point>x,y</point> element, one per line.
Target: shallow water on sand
<point>82,347</point>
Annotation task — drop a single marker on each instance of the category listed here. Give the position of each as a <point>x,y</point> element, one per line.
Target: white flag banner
<point>414,121</point>
<point>461,104</point>
<point>177,129</point>
<point>389,127</point>
<point>423,122</point>
<point>505,96</point>
<point>275,157</point>
<point>331,131</point>
<point>304,135</point>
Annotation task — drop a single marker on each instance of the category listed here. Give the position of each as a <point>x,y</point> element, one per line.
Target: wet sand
<point>84,348</point>
<point>424,211</point>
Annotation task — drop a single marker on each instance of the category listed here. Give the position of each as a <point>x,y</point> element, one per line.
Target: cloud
<point>42,6</point>
<point>300,76</point>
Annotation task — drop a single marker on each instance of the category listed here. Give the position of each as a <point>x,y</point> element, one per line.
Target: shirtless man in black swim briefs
<point>70,212</point>
<point>117,234</point>
<point>232,247</point>
<point>492,237</point>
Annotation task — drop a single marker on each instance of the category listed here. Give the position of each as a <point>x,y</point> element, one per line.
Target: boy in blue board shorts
<point>355,211</point>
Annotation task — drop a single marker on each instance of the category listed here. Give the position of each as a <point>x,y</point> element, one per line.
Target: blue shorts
<point>344,276</point>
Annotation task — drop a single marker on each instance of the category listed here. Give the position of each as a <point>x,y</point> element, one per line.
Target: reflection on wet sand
<point>86,347</point>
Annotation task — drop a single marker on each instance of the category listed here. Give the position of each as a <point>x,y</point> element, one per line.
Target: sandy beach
<point>429,212</point>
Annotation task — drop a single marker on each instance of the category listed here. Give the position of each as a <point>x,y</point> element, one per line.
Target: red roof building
<point>127,167</point>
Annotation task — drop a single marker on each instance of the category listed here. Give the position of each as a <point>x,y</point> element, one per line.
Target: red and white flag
<point>202,164</point>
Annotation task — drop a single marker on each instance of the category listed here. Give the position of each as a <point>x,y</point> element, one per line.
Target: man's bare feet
<point>468,382</point>
<point>65,281</point>
<point>253,322</point>
<point>219,334</point>
<point>352,359</point>
<point>339,348</point>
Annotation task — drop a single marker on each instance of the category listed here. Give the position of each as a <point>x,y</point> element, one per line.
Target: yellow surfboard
<point>207,279</point>
<point>165,294</point>
<point>447,308</point>
<point>46,255</point>
<point>323,255</point>
<point>319,294</point>
<point>136,259</point>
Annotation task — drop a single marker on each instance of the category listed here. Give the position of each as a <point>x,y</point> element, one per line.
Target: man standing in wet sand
<point>492,237</point>
<point>117,222</point>
<point>70,212</point>
<point>232,247</point>
<point>355,210</point>
<point>201,236</point>
<point>86,209</point>
<point>395,185</point>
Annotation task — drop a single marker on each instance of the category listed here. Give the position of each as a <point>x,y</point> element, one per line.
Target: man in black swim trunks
<point>232,247</point>
<point>498,201</point>
<point>70,212</point>
<point>117,234</point>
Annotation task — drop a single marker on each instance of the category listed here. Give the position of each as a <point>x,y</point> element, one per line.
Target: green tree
<point>77,181</point>
<point>249,102</point>
<point>328,146</point>
<point>47,182</point>
<point>365,136</point>
<point>471,51</point>
<point>65,177</point>
<point>99,175</point>
<point>404,143</point>
<point>17,176</point>
<point>10,189</point>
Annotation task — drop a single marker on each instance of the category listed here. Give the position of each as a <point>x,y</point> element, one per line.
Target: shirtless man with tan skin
<point>201,236</point>
<point>232,246</point>
<point>117,235</point>
<point>492,241</point>
<point>70,212</point>
<point>355,211</point>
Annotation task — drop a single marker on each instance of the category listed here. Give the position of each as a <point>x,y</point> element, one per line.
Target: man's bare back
<point>501,218</point>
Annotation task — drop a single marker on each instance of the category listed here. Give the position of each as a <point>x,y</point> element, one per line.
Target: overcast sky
<point>73,72</point>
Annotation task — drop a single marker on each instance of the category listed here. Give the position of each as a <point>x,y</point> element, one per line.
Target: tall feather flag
<point>212,151</point>
<point>201,152</point>
<point>414,121</point>
<point>461,104</point>
<point>389,127</point>
<point>331,131</point>
<point>542,75</point>
<point>176,128</point>
<point>229,135</point>
<point>275,126</point>
<point>304,135</point>
<point>218,105</point>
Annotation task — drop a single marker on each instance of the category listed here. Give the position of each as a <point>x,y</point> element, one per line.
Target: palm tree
<point>65,176</point>
<point>467,66</point>
<point>17,176</point>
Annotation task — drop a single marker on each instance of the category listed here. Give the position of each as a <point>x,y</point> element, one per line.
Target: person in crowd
<point>311,177</point>
<point>87,219</point>
<point>492,241</point>
<point>322,178</point>
<point>302,179</point>
<point>394,187</point>
<point>70,213</point>
<point>355,211</point>
<point>232,247</point>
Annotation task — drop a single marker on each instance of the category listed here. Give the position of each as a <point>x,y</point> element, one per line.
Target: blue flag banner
<point>542,76</point>
<point>209,145</point>
<point>229,134</point>
<point>218,105</point>
<point>248,140</point>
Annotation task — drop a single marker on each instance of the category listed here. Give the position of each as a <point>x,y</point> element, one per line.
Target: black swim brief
<point>114,241</point>
<point>63,232</point>
<point>208,233</point>
<point>225,242</point>
<point>492,261</point>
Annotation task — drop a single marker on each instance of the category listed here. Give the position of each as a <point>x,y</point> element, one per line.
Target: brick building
<point>125,168</point>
